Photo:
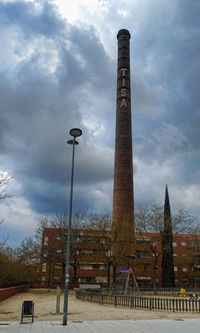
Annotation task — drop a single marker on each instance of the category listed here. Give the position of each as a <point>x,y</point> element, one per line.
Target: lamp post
<point>75,132</point>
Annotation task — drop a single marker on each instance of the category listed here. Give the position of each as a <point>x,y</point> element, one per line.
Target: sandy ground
<point>45,306</point>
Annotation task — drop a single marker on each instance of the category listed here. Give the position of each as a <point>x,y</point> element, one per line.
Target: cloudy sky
<point>58,71</point>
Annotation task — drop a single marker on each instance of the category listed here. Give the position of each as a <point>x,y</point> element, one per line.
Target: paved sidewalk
<point>109,326</point>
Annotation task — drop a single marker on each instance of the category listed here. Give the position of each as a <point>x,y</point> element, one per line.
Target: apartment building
<point>92,262</point>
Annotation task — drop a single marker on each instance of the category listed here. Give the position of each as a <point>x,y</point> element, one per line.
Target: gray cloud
<point>50,93</point>
<point>56,75</point>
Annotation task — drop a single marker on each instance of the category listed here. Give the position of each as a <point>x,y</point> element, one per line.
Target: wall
<point>5,293</point>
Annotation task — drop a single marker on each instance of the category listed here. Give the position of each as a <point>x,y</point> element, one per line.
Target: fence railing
<point>146,291</point>
<point>141,302</point>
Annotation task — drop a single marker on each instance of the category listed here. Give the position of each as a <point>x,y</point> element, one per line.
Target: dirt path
<point>45,305</point>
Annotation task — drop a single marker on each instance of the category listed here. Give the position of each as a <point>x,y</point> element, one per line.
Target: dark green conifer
<point>168,276</point>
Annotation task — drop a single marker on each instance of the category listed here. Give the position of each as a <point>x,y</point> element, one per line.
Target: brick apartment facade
<point>91,259</point>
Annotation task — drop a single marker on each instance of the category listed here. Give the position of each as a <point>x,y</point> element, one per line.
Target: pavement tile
<point>109,326</point>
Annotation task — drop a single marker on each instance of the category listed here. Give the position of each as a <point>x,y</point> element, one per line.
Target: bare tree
<point>191,257</point>
<point>14,271</point>
<point>54,253</point>
<point>101,226</point>
<point>31,252</point>
<point>120,247</point>
<point>4,179</point>
<point>184,222</point>
<point>150,220</point>
<point>112,243</point>
<point>3,239</point>
<point>78,238</point>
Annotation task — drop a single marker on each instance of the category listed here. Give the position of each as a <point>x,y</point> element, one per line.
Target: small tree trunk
<point>108,275</point>
<point>154,280</point>
<point>114,274</point>
<point>75,274</point>
<point>75,271</point>
<point>49,277</point>
<point>63,275</point>
<point>58,300</point>
<point>154,274</point>
<point>195,279</point>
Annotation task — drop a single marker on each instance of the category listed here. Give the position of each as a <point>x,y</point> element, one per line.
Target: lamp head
<point>75,132</point>
<point>72,142</point>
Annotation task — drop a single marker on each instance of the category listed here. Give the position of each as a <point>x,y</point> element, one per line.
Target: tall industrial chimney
<point>123,205</point>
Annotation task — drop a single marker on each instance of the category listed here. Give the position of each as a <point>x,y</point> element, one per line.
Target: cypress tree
<point>168,276</point>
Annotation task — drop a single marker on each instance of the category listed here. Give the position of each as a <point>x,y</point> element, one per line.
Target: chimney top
<point>124,32</point>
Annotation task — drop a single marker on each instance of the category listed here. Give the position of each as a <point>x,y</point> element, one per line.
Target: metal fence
<point>147,291</point>
<point>141,302</point>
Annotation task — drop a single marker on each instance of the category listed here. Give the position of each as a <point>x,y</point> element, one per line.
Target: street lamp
<point>75,132</point>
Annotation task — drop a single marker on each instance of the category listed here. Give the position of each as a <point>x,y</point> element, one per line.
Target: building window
<point>43,278</point>
<point>175,269</point>
<point>144,242</point>
<point>176,280</point>
<point>57,266</point>
<point>87,252</point>
<point>142,267</point>
<point>46,238</point>
<point>195,268</point>
<point>143,278</point>
<point>44,267</point>
<point>174,255</point>
<point>86,279</point>
<point>195,243</point>
<point>102,267</point>
<point>184,269</point>
<point>142,254</point>
<point>174,244</point>
<point>86,266</point>
<point>155,243</point>
<point>100,279</point>
<point>76,239</point>
<point>102,240</point>
<point>56,278</point>
<point>108,252</point>
<point>183,243</point>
